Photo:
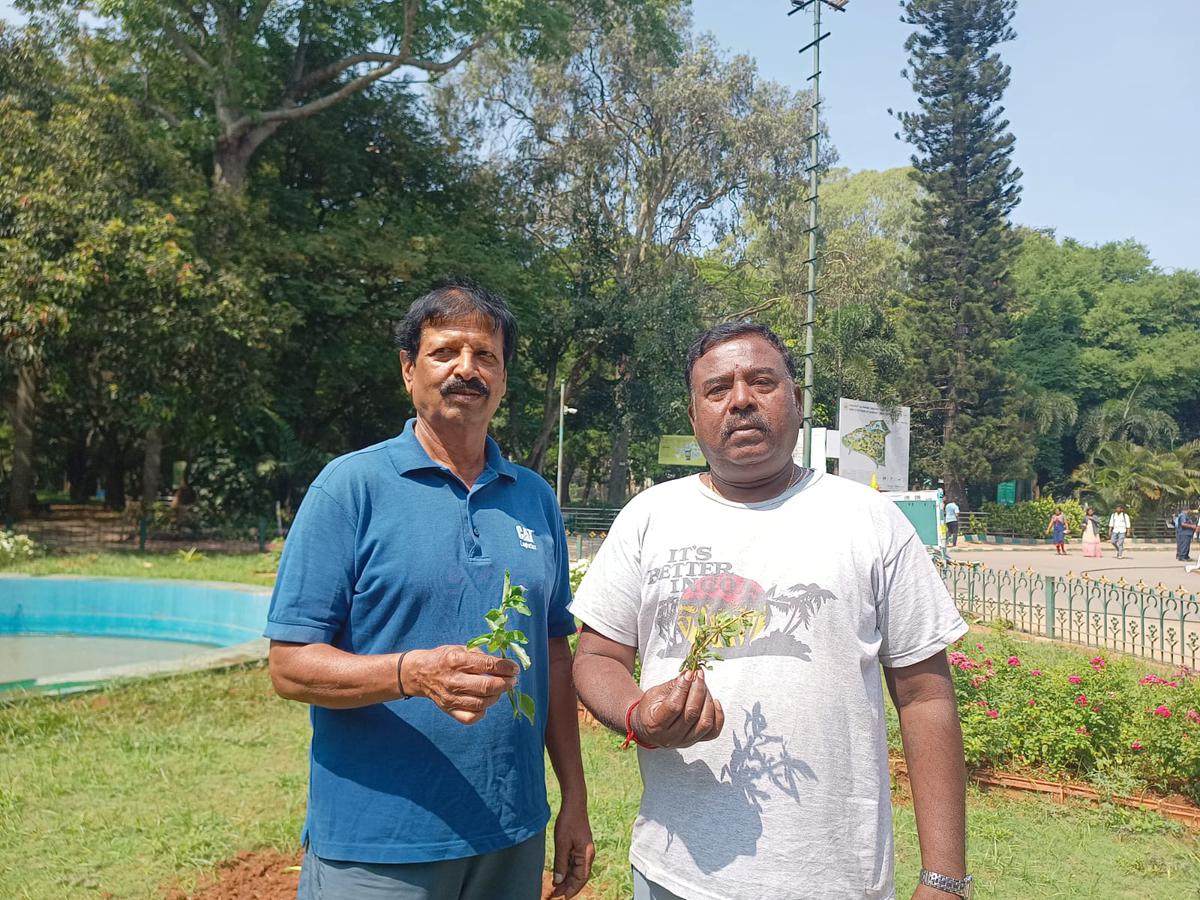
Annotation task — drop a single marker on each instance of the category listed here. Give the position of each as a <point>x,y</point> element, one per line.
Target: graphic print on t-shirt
<point>697,583</point>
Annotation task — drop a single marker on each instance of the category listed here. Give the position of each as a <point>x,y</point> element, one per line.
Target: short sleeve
<point>610,597</point>
<point>316,574</point>
<point>559,620</point>
<point>916,616</point>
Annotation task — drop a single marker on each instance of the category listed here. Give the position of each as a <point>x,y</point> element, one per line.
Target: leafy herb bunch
<point>721,629</point>
<point>504,640</point>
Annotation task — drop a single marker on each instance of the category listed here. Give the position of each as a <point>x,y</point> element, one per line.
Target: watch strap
<point>959,886</point>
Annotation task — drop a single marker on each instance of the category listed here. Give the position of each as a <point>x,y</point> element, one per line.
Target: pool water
<point>35,656</point>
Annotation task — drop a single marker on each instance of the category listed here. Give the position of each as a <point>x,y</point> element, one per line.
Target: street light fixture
<point>562,410</point>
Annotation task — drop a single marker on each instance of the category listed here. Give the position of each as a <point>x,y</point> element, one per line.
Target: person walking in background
<point>1058,528</point>
<point>1119,528</point>
<point>1185,530</point>
<point>952,523</point>
<point>1091,535</point>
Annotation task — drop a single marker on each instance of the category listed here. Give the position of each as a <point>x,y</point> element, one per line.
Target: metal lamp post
<point>563,409</point>
<point>814,146</point>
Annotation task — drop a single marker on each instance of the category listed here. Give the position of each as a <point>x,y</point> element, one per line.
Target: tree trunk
<point>569,467</point>
<point>151,468</point>
<point>951,482</point>
<point>114,475</point>
<point>618,475</point>
<point>78,470</point>
<point>232,154</point>
<point>24,411</point>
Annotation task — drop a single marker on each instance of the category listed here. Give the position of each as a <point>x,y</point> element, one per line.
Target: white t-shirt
<point>792,800</point>
<point>1118,523</point>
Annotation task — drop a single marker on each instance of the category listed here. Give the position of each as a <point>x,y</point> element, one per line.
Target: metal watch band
<point>959,886</point>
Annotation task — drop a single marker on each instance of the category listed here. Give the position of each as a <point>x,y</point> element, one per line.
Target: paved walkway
<point>1151,563</point>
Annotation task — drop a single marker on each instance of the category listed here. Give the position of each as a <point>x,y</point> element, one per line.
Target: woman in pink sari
<point>1091,535</point>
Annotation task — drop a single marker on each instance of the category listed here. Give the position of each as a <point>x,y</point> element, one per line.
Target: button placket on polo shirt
<point>470,529</point>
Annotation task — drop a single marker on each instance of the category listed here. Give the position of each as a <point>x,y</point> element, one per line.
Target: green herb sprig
<point>504,640</point>
<point>721,629</point>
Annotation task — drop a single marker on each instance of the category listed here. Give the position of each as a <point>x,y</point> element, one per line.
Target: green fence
<point>1153,622</point>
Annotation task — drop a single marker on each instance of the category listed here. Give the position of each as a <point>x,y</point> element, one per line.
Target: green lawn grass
<point>149,784</point>
<point>253,568</point>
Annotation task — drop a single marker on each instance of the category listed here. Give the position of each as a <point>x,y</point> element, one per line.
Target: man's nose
<point>741,396</point>
<point>465,366</point>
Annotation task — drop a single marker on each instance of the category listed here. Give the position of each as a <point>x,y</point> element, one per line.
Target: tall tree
<point>963,243</point>
<point>237,71</point>
<point>625,158</point>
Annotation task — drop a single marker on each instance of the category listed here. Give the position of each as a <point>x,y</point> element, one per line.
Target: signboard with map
<point>679,450</point>
<point>873,444</point>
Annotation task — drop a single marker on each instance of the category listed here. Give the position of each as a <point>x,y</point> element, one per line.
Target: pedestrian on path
<point>1185,529</point>
<point>1091,535</point>
<point>1119,528</point>
<point>1058,527</point>
<point>951,513</point>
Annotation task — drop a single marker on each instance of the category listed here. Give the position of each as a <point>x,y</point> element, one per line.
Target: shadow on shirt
<point>732,822</point>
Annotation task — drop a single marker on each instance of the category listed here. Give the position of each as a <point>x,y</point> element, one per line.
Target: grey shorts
<point>514,873</point>
<point>644,889</point>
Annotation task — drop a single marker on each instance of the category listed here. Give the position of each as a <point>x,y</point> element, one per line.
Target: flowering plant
<point>1077,715</point>
<point>16,548</point>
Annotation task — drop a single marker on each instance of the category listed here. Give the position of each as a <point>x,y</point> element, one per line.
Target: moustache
<point>750,420</point>
<point>457,385</point>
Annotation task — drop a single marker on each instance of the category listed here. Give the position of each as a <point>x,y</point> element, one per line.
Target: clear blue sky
<point>1104,103</point>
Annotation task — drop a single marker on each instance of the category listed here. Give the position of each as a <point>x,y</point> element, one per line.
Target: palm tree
<point>1144,479</point>
<point>1123,420</point>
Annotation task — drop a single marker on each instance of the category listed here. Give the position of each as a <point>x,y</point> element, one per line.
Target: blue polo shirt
<point>388,552</point>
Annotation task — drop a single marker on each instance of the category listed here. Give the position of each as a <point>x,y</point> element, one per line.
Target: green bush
<point>1029,518</point>
<point>15,548</point>
<point>1068,714</point>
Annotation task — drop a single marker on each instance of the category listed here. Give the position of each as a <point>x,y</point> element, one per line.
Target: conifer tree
<point>964,242</point>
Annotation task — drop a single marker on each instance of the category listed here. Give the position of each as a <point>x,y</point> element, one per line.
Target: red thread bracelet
<point>630,737</point>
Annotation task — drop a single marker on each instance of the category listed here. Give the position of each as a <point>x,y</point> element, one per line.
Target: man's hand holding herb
<point>463,683</point>
<point>678,713</point>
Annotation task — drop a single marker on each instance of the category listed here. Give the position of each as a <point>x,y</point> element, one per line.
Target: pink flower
<point>1014,660</point>
<point>957,659</point>
<point>1082,700</point>
<point>1075,679</point>
<point>978,681</point>
<point>1171,683</point>
<point>1193,716</point>
<point>1036,673</point>
<point>992,713</point>
<point>979,646</point>
<point>1135,746</point>
<point>1098,662</point>
<point>982,703</point>
<point>988,663</point>
<point>1150,679</point>
<point>1032,702</point>
<point>1082,729</point>
<point>1162,711</point>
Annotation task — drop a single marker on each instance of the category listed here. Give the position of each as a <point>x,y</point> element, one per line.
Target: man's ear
<point>406,369</point>
<point>691,409</point>
<point>798,393</point>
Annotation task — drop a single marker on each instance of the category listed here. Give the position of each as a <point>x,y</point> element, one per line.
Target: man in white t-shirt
<point>1119,527</point>
<point>768,775</point>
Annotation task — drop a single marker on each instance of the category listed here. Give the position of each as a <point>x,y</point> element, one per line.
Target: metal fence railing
<point>1152,622</point>
<point>588,519</point>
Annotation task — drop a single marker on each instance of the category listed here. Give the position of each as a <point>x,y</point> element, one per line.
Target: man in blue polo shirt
<point>396,554</point>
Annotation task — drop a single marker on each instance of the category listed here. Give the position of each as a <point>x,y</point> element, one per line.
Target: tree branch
<point>189,52</point>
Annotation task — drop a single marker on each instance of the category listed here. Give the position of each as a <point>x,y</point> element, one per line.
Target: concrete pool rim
<point>251,619</point>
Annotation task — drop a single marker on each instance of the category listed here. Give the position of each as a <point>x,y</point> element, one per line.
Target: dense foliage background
<point>210,214</point>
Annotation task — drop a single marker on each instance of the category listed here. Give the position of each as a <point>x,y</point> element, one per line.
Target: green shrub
<point>1091,718</point>
<point>16,548</point>
<point>1029,518</point>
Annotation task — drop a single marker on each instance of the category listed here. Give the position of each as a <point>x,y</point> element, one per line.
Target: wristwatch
<point>959,886</point>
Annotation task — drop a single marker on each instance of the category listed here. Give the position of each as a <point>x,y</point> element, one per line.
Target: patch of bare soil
<point>270,875</point>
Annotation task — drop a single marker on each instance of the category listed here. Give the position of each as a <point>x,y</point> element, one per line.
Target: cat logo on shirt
<point>525,536</point>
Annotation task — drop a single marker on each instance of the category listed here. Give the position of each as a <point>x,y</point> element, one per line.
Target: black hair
<point>727,331</point>
<point>453,300</point>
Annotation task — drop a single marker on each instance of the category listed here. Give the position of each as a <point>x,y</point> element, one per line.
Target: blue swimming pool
<point>83,631</point>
